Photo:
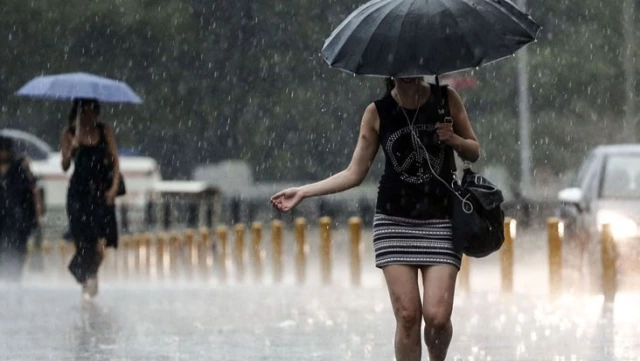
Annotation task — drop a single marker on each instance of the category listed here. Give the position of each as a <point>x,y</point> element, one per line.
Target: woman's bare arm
<point>464,140</point>
<point>363,156</point>
<point>113,150</point>
<point>353,175</point>
<point>66,148</point>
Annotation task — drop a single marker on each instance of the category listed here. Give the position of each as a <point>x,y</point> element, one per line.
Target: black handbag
<point>122,189</point>
<point>477,216</point>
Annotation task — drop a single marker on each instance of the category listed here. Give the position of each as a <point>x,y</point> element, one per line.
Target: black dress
<point>90,217</point>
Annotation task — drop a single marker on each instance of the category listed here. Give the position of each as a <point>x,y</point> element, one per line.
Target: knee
<point>408,317</point>
<point>436,319</point>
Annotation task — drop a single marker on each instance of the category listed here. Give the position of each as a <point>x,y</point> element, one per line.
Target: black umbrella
<point>427,37</point>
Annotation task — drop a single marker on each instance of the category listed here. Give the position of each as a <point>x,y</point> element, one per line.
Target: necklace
<point>411,122</point>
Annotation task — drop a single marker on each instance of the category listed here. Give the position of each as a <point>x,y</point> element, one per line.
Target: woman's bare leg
<point>439,287</point>
<point>402,282</point>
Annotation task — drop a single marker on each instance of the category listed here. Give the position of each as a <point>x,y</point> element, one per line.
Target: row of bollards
<point>506,255</point>
<point>608,254</point>
<point>192,254</point>
<point>555,235</point>
<point>201,255</point>
<point>257,252</point>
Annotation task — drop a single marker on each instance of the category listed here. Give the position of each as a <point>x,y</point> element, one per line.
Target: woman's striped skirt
<point>413,242</point>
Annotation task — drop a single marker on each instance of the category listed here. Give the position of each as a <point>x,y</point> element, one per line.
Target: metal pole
<point>524,110</point>
<point>630,117</point>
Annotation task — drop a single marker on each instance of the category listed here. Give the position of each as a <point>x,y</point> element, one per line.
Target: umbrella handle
<point>77,120</point>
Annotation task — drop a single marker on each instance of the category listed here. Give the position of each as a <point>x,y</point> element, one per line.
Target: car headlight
<point>621,226</point>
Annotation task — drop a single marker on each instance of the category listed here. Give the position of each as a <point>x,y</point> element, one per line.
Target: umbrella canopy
<point>79,85</point>
<point>427,37</point>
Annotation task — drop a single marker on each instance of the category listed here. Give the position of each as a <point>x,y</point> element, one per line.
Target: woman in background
<point>91,146</point>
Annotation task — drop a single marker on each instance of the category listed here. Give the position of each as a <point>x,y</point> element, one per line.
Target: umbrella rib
<point>527,23</point>
<point>466,41</point>
<point>503,11</point>
<point>373,33</point>
<point>347,21</point>
<point>404,18</point>
<point>490,28</point>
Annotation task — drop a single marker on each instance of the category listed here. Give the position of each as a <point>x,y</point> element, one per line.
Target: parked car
<point>606,190</point>
<point>140,172</point>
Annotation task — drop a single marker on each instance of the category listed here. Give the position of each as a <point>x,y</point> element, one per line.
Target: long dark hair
<point>76,105</point>
<point>389,84</point>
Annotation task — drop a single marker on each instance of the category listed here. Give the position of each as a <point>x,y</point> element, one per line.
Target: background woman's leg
<point>402,282</point>
<point>439,287</point>
<point>89,246</point>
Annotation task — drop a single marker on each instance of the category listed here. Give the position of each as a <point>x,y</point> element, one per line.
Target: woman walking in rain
<point>412,224</point>
<point>91,146</point>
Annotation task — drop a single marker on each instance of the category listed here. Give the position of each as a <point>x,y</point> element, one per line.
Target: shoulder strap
<point>444,114</point>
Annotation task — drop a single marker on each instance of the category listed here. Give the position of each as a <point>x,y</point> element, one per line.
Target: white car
<point>140,173</point>
<point>606,190</point>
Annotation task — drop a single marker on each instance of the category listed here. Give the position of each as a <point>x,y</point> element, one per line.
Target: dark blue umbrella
<point>427,37</point>
<point>79,86</point>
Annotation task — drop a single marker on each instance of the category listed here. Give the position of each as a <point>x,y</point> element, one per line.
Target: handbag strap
<point>444,115</point>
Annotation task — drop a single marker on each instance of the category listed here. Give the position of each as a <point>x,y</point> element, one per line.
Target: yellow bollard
<point>555,232</point>
<point>276,239</point>
<point>609,277</point>
<point>46,256</point>
<point>300,226</point>
<point>325,249</point>
<point>256,250</point>
<point>120,258</point>
<point>174,254</point>
<point>46,247</point>
<point>153,256</point>
<point>507,255</point>
<point>129,256</point>
<point>222,235</point>
<point>191,252</point>
<point>205,253</point>
<point>239,251</point>
<point>162,263</point>
<point>138,253</point>
<point>145,255</point>
<point>64,255</point>
<point>355,235</point>
<point>464,275</point>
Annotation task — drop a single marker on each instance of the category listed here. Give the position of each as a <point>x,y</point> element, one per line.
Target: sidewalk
<point>245,323</point>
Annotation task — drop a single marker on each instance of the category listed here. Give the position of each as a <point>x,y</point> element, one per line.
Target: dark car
<point>606,190</point>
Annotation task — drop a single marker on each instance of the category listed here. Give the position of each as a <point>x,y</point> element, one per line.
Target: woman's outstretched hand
<point>287,199</point>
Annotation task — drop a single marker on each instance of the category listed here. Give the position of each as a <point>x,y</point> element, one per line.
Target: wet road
<point>144,322</point>
<point>139,318</point>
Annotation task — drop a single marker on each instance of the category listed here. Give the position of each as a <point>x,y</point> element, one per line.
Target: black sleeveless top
<point>90,168</point>
<point>407,187</point>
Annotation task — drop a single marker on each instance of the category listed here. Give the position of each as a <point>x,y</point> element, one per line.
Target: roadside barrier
<point>204,254</point>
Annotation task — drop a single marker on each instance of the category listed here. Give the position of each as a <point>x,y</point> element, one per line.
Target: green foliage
<point>243,79</point>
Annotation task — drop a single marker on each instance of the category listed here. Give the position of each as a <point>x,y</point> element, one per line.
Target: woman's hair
<point>6,144</point>
<point>76,104</point>
<point>389,84</point>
